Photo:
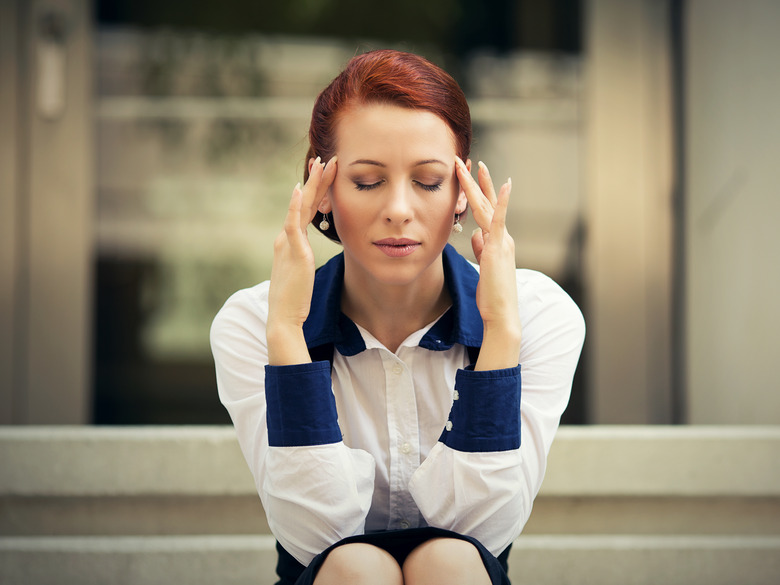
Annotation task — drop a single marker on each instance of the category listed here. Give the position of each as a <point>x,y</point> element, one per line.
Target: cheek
<point>453,198</point>
<point>348,210</point>
<point>444,214</point>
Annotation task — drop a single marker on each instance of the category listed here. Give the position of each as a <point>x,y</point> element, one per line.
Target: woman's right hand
<point>292,273</point>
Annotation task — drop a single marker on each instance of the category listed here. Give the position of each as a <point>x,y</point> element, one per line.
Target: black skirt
<point>399,543</point>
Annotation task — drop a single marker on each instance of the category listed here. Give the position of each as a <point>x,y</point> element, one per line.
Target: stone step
<point>239,560</point>
<point>589,461</point>
<point>193,480</point>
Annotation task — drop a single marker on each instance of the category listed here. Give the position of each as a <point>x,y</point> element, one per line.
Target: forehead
<point>389,130</point>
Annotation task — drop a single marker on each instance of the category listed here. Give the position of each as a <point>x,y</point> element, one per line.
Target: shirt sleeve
<point>481,478</point>
<point>314,489</point>
<point>485,411</point>
<point>301,409</point>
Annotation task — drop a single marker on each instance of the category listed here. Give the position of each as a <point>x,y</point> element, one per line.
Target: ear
<point>325,205</point>
<point>462,203</point>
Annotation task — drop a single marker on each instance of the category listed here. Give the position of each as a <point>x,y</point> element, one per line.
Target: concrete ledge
<point>126,515</point>
<point>645,560</point>
<point>116,461</point>
<point>132,515</point>
<point>665,460</point>
<point>194,480</point>
<point>237,560</point>
<point>588,461</point>
<point>656,515</point>
<point>148,505</point>
<point>117,560</point>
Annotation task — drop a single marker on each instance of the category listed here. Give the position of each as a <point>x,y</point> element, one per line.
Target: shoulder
<point>543,301</point>
<point>537,286</point>
<point>245,310</point>
<point>535,289</point>
<point>546,308</point>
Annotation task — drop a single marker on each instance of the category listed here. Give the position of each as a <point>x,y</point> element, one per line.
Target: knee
<point>445,560</point>
<point>358,563</point>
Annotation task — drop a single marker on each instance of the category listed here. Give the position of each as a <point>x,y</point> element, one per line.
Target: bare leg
<point>445,561</point>
<point>359,564</point>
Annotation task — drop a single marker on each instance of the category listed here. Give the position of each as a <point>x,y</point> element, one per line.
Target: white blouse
<point>380,440</point>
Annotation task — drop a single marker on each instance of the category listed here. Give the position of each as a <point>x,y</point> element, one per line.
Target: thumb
<point>477,243</point>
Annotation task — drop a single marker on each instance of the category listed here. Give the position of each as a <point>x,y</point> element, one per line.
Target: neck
<point>393,312</point>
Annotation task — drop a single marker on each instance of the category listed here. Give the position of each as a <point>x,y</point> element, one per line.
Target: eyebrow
<point>365,161</point>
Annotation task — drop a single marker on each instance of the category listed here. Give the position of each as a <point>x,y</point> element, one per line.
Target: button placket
<point>403,424</point>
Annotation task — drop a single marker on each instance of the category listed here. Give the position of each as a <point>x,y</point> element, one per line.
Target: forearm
<point>315,489</point>
<point>484,495</point>
<point>473,481</point>
<point>316,496</point>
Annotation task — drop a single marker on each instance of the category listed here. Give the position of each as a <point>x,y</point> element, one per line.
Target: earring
<point>457,228</point>
<point>324,224</point>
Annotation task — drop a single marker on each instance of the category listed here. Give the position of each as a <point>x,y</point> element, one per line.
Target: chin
<point>396,276</point>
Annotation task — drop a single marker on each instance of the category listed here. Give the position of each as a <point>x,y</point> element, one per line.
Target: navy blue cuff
<point>485,414</point>
<point>301,408</point>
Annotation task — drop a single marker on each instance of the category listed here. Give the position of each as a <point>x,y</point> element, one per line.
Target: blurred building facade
<point>145,170</point>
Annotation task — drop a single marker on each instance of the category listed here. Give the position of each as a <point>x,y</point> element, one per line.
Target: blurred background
<point>148,150</point>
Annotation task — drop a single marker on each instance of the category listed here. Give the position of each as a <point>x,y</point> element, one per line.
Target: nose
<point>398,204</point>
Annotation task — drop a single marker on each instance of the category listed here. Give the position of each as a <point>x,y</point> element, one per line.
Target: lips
<point>397,247</point>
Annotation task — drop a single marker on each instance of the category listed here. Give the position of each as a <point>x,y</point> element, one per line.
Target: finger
<point>498,223</point>
<point>486,183</point>
<point>310,189</point>
<point>328,176</point>
<point>481,208</point>
<point>477,243</point>
<point>292,222</point>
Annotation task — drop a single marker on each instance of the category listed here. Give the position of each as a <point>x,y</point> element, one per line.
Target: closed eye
<point>427,187</point>
<point>367,186</point>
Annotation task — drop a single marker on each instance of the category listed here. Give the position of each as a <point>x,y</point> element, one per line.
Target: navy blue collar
<point>461,323</point>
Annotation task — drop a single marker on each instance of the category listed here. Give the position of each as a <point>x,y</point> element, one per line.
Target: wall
<point>46,197</point>
<point>733,211</point>
<point>628,191</point>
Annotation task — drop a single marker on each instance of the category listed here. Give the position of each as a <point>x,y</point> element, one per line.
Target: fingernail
<point>483,166</point>
<point>318,160</point>
<point>474,233</point>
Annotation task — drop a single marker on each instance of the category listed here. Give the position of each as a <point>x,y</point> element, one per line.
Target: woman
<point>378,401</point>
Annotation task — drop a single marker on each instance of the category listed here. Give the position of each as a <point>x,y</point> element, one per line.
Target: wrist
<point>500,346</point>
<point>286,344</point>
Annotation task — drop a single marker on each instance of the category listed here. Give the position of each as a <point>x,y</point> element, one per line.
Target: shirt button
<point>406,448</point>
<point>397,369</point>
<point>404,524</point>
<point>448,426</point>
<point>455,395</point>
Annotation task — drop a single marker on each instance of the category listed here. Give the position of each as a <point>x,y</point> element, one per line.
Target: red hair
<point>387,77</point>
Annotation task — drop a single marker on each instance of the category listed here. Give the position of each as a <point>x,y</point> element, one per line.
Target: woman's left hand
<point>494,249</point>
